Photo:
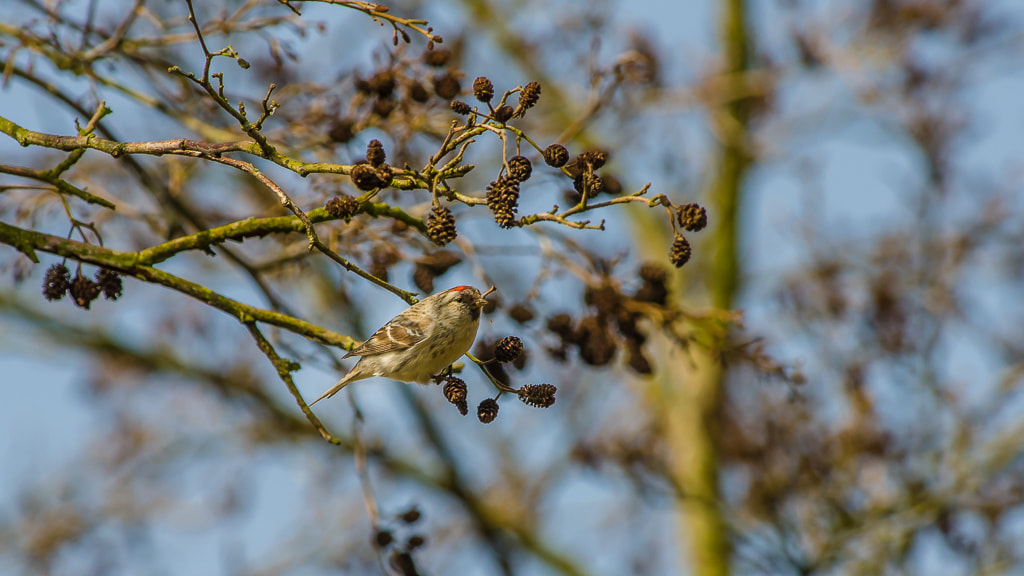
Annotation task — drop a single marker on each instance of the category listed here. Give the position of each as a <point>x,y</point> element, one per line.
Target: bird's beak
<point>482,300</point>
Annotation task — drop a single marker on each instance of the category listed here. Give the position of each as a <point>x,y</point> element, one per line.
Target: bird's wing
<point>398,334</point>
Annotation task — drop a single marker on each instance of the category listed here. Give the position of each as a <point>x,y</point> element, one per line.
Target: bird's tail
<point>345,381</point>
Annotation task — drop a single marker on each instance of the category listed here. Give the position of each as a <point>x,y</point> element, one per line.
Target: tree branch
<point>128,263</point>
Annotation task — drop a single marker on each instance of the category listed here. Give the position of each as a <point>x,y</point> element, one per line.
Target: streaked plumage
<point>420,342</point>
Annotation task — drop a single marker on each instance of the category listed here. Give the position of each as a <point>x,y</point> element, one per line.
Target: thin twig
<point>501,386</point>
<point>284,369</point>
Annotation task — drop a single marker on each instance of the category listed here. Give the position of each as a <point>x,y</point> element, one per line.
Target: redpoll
<point>421,341</point>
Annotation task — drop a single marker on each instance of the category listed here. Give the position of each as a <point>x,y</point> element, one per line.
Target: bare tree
<point>252,185</point>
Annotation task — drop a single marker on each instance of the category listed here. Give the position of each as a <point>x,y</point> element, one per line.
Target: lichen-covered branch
<point>128,263</point>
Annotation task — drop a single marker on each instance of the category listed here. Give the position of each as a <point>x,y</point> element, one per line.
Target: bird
<point>420,342</point>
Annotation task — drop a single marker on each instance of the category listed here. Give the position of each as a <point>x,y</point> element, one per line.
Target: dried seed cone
<point>680,253</point>
<point>402,563</point>
<point>410,516</point>
<point>562,325</point>
<point>455,390</point>
<point>538,395</point>
<point>605,298</point>
<point>528,98</point>
<point>653,272</point>
<point>83,291</point>
<point>463,407</point>
<point>503,113</point>
<point>375,154</point>
<point>343,206</point>
<point>418,93</point>
<point>431,266</point>
<point>383,538</point>
<point>365,177</point>
<point>441,226</point>
<point>693,217</point>
<point>384,256</point>
<point>423,278</point>
<point>521,313</point>
<point>483,90</point>
<point>447,86</point>
<point>487,411</point>
<point>56,282</point>
<point>627,324</point>
<point>520,168</point>
<point>503,200</point>
<point>612,185</point>
<point>385,175</point>
<point>382,83</point>
<point>654,287</point>
<point>110,283</point>
<point>342,130</point>
<point>597,345</point>
<point>460,107</point>
<point>492,304</point>
<point>579,183</point>
<point>380,270</point>
<point>588,185</point>
<point>593,158</point>
<point>556,155</point>
<point>436,58</point>
<point>439,262</point>
<point>508,349</point>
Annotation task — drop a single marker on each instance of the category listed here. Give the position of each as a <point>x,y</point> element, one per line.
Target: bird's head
<point>467,299</point>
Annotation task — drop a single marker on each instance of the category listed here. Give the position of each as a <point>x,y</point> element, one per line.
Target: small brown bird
<point>420,342</point>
